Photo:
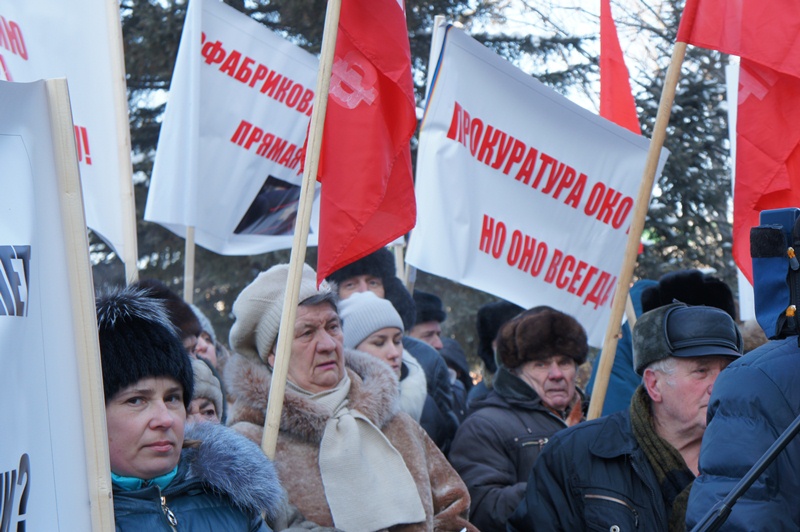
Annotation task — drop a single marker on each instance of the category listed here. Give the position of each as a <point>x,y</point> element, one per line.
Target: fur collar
<point>233,465</point>
<point>373,392</point>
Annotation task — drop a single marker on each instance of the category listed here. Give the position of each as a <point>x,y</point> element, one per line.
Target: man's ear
<point>652,384</point>
<point>271,359</point>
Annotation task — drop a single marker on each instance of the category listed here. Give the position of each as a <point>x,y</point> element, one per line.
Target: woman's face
<point>203,409</point>
<point>145,428</point>
<point>387,345</point>
<point>317,360</point>
<point>202,346</point>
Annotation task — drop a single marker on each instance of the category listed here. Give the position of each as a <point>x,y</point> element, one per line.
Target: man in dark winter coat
<point>377,273</point>
<point>534,396</point>
<point>633,469</point>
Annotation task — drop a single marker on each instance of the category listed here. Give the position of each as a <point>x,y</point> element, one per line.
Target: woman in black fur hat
<point>534,396</point>
<point>168,475</point>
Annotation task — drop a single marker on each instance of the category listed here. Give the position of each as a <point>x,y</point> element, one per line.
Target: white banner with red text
<point>43,466</point>
<point>230,151</point>
<point>520,192</point>
<point>82,42</point>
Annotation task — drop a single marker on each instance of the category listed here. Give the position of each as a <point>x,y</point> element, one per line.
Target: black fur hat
<point>490,318</point>
<point>379,263</point>
<point>179,311</point>
<point>137,341</point>
<point>539,333</point>
<point>429,307</point>
<point>692,287</point>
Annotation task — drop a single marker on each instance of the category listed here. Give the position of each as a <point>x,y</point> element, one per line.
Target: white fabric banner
<point>82,42</point>
<point>520,192</point>
<point>43,475</point>
<point>229,154</point>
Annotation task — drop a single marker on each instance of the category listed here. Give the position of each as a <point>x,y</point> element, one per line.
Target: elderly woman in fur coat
<point>534,396</point>
<point>346,454</point>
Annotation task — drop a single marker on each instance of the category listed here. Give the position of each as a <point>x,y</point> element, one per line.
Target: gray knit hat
<point>208,385</point>
<point>679,330</point>
<point>258,308</point>
<point>362,314</point>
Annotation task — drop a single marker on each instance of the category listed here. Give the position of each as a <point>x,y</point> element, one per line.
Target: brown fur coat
<point>374,393</point>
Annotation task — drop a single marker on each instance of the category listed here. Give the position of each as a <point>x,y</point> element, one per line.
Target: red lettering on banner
<point>608,205</point>
<point>493,237</point>
<point>6,72</point>
<point>564,271</point>
<point>552,271</point>
<point>82,144</point>
<point>601,291</point>
<point>526,253</point>
<point>248,71</point>
<point>538,170</point>
<point>268,145</point>
<point>11,38</point>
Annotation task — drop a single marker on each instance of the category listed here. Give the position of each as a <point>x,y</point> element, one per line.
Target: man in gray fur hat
<point>635,468</point>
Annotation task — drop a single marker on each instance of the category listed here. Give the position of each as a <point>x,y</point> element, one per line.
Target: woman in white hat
<point>346,455</point>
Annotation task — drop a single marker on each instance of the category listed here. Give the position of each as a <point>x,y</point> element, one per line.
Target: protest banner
<point>82,41</point>
<point>228,162</point>
<point>522,193</point>
<point>54,472</point>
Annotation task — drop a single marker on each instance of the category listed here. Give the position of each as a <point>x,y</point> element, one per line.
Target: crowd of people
<point>383,428</point>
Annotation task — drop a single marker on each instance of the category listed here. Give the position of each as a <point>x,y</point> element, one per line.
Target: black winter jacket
<point>593,476</point>
<point>223,485</point>
<point>496,446</point>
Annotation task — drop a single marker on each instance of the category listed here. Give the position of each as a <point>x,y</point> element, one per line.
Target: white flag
<point>520,192</point>
<point>82,41</point>
<point>230,150</point>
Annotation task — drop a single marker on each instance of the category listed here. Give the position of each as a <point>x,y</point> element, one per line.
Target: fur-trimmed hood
<point>373,392</point>
<point>233,465</point>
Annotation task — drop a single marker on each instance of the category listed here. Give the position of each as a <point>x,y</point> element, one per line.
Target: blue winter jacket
<point>754,399</point>
<point>224,484</point>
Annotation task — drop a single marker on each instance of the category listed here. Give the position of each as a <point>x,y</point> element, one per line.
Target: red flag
<point>616,99</point>
<point>367,198</point>
<point>764,34</point>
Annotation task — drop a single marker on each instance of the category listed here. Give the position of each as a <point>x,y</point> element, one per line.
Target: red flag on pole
<point>764,34</point>
<point>367,198</point>
<point>616,99</point>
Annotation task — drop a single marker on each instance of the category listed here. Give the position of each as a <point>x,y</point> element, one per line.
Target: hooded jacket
<point>373,392</point>
<point>496,446</point>
<point>225,483</point>
<point>593,476</point>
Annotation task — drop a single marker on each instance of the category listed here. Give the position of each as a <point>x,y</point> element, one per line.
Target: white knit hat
<point>362,314</point>
<point>258,308</point>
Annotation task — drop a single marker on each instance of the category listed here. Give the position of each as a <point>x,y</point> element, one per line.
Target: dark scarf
<point>674,478</point>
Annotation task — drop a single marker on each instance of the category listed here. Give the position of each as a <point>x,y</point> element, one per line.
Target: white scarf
<point>366,481</point>
<point>413,388</point>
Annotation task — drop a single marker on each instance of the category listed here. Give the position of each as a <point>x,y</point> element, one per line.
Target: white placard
<point>520,192</point>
